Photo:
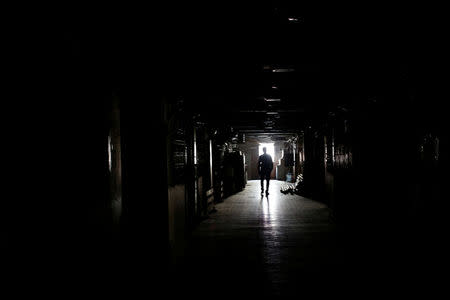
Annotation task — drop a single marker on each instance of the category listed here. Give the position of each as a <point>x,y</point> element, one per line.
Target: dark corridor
<point>137,151</point>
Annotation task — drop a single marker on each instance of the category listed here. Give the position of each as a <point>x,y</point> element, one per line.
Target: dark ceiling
<point>261,68</point>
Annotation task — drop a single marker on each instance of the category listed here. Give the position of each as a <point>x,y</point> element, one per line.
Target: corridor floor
<point>257,245</point>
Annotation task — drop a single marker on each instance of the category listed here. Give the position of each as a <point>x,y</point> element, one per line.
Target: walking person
<point>265,166</point>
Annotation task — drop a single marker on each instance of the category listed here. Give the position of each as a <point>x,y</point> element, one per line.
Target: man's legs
<point>262,182</point>
<point>267,183</point>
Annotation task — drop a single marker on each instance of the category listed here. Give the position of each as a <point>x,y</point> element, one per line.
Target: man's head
<point>264,150</point>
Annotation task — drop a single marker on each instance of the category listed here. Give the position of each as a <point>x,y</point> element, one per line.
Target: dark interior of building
<point>144,143</point>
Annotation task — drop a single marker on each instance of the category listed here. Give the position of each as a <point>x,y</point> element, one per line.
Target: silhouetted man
<point>265,166</point>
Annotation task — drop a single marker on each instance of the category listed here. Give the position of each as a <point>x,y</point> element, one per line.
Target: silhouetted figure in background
<point>265,166</point>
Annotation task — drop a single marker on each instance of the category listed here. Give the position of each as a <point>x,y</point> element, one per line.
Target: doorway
<point>270,149</point>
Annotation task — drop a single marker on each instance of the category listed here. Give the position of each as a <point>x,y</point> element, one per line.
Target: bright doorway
<point>270,149</point>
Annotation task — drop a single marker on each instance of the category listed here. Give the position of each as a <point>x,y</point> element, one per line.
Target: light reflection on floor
<point>271,244</point>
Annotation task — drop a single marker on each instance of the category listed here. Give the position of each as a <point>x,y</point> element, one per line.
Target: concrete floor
<point>263,246</point>
<point>253,246</point>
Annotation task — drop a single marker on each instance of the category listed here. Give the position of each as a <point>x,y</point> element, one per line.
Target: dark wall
<point>145,211</point>
<point>385,179</point>
<point>60,218</point>
<point>58,214</point>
